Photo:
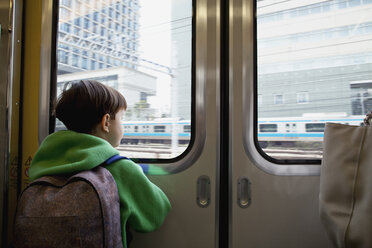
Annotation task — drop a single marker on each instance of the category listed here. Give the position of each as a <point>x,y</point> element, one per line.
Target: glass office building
<point>96,35</point>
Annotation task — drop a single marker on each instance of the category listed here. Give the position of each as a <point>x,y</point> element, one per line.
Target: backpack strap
<point>113,159</point>
<point>145,168</point>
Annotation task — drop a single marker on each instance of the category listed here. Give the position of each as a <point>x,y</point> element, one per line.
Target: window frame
<point>302,95</point>
<point>48,84</point>
<point>250,106</point>
<point>279,99</point>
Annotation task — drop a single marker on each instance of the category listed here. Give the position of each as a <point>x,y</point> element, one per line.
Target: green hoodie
<point>142,204</point>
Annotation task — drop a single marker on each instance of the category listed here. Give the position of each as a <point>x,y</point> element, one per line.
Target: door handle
<point>244,192</point>
<point>203,195</point>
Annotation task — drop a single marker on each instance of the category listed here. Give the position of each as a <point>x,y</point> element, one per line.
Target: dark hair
<point>83,103</point>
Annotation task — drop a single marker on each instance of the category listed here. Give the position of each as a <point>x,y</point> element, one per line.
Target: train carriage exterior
<point>285,129</point>
<point>156,131</point>
<point>306,129</point>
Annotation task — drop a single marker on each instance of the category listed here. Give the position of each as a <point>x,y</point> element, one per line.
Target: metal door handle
<point>244,192</point>
<point>203,195</point>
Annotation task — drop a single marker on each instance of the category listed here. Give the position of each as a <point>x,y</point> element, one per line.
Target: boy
<point>92,113</point>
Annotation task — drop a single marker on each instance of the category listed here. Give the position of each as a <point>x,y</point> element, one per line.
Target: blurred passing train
<point>158,131</point>
<point>289,130</point>
<point>284,130</point>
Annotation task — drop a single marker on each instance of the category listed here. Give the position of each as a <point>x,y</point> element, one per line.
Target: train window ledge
<point>265,162</point>
<point>285,167</point>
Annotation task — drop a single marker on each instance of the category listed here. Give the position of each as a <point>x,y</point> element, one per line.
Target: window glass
<point>302,97</point>
<point>268,128</point>
<point>315,127</point>
<point>187,128</point>
<point>159,129</point>
<point>142,48</point>
<point>278,99</point>
<point>314,65</point>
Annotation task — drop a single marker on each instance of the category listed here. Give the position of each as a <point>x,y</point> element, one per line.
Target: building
<point>314,57</point>
<point>134,85</point>
<point>99,40</point>
<point>96,35</point>
<point>181,38</point>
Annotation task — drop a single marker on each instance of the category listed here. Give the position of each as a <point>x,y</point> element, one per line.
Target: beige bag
<point>345,200</point>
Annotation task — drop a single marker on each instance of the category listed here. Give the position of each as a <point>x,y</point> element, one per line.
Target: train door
<point>291,62</point>
<point>273,204</point>
<point>193,183</point>
<point>105,40</point>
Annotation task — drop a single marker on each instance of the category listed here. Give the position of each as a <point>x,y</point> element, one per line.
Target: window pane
<point>314,65</point>
<point>314,127</point>
<point>142,48</point>
<point>268,128</point>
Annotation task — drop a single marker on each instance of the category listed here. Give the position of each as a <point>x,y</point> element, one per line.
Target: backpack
<point>80,210</point>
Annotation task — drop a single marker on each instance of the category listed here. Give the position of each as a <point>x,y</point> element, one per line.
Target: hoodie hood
<point>66,152</point>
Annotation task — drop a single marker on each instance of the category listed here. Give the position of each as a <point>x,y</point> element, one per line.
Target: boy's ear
<point>105,122</point>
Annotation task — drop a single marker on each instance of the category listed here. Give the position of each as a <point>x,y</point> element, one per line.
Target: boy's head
<point>85,104</point>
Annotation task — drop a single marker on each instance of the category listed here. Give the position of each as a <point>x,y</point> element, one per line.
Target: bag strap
<point>113,159</point>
